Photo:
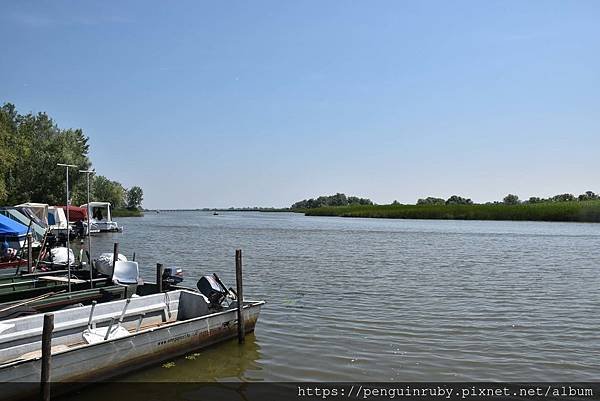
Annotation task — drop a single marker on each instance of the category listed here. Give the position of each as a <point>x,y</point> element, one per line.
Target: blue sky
<point>216,104</point>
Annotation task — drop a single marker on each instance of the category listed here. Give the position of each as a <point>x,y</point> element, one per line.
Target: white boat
<point>57,220</point>
<point>39,209</point>
<point>96,342</point>
<point>100,216</point>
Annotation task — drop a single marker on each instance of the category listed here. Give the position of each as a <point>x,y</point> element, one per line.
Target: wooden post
<point>159,274</point>
<point>46,356</point>
<point>115,258</point>
<point>29,253</point>
<point>240,296</point>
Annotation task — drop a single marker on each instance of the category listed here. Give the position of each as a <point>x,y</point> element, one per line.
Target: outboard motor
<point>213,290</point>
<point>79,229</point>
<point>172,275</point>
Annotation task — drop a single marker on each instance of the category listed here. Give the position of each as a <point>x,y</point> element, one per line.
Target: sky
<point>264,103</point>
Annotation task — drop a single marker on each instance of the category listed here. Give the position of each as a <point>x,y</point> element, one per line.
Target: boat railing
<point>82,322</point>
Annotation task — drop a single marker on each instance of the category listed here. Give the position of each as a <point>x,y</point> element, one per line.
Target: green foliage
<point>511,199</point>
<point>332,200</point>
<point>135,196</point>
<point>458,200</point>
<point>430,200</point>
<point>588,195</point>
<point>31,145</point>
<point>106,190</point>
<point>127,213</point>
<point>586,211</point>
<point>563,198</point>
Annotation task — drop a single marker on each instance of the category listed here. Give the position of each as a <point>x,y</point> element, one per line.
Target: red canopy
<point>75,213</point>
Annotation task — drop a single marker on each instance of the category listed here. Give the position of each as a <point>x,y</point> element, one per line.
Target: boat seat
<point>126,273</point>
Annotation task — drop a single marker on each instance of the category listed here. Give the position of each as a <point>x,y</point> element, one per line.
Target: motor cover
<point>211,289</point>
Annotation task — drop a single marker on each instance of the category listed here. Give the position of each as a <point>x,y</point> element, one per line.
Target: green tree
<point>430,200</point>
<point>7,135</point>
<point>535,199</point>
<point>511,199</point>
<point>105,190</point>
<point>458,200</point>
<point>338,199</point>
<point>563,198</point>
<point>34,145</point>
<point>135,196</point>
<point>588,195</point>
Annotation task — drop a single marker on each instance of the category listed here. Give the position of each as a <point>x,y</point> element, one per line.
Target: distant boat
<point>215,214</point>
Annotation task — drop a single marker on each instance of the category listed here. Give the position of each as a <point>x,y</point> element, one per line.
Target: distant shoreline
<point>265,209</point>
<point>126,213</point>
<point>577,211</point>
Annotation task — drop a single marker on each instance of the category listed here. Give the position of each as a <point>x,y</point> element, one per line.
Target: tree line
<point>31,145</point>
<point>510,199</point>
<point>338,199</point>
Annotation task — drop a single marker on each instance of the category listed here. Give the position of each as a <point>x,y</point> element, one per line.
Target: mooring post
<point>115,258</point>
<point>29,253</point>
<point>159,274</point>
<point>46,356</point>
<point>240,295</point>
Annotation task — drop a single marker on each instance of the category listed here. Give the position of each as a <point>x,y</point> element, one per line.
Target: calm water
<point>387,300</point>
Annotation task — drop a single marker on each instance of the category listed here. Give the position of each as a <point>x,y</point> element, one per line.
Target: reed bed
<point>578,211</point>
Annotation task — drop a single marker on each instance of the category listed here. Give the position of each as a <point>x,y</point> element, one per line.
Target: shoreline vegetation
<point>127,213</point>
<point>560,208</point>
<point>31,145</point>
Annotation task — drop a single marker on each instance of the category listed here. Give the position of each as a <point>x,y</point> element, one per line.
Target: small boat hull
<point>90,363</point>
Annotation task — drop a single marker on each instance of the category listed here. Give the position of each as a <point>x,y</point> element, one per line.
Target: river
<point>386,300</point>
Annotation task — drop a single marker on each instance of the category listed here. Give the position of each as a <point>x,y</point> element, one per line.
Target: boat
<point>12,238</point>
<point>101,216</point>
<point>49,290</point>
<point>57,221</point>
<point>99,341</point>
<point>78,220</point>
<point>40,210</point>
<point>26,217</point>
<point>15,263</point>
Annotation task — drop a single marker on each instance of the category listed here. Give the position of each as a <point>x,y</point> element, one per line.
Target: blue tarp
<point>11,228</point>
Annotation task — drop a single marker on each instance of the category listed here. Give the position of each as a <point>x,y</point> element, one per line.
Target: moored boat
<point>101,218</point>
<point>89,346</point>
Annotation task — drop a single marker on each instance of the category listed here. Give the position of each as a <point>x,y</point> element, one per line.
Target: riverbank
<point>586,211</point>
<point>127,213</point>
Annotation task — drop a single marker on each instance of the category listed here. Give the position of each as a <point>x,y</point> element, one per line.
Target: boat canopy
<point>11,228</point>
<point>75,213</point>
<point>16,214</point>
<point>32,216</point>
<point>99,211</point>
<point>39,209</point>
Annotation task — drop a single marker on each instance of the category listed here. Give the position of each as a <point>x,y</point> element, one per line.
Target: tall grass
<point>587,211</point>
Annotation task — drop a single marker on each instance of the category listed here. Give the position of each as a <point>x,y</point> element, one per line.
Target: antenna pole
<point>68,239</point>
<point>89,225</point>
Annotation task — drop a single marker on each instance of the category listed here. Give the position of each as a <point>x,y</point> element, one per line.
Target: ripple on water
<point>405,300</point>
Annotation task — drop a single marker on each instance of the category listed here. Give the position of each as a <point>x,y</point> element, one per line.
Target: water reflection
<point>223,362</point>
